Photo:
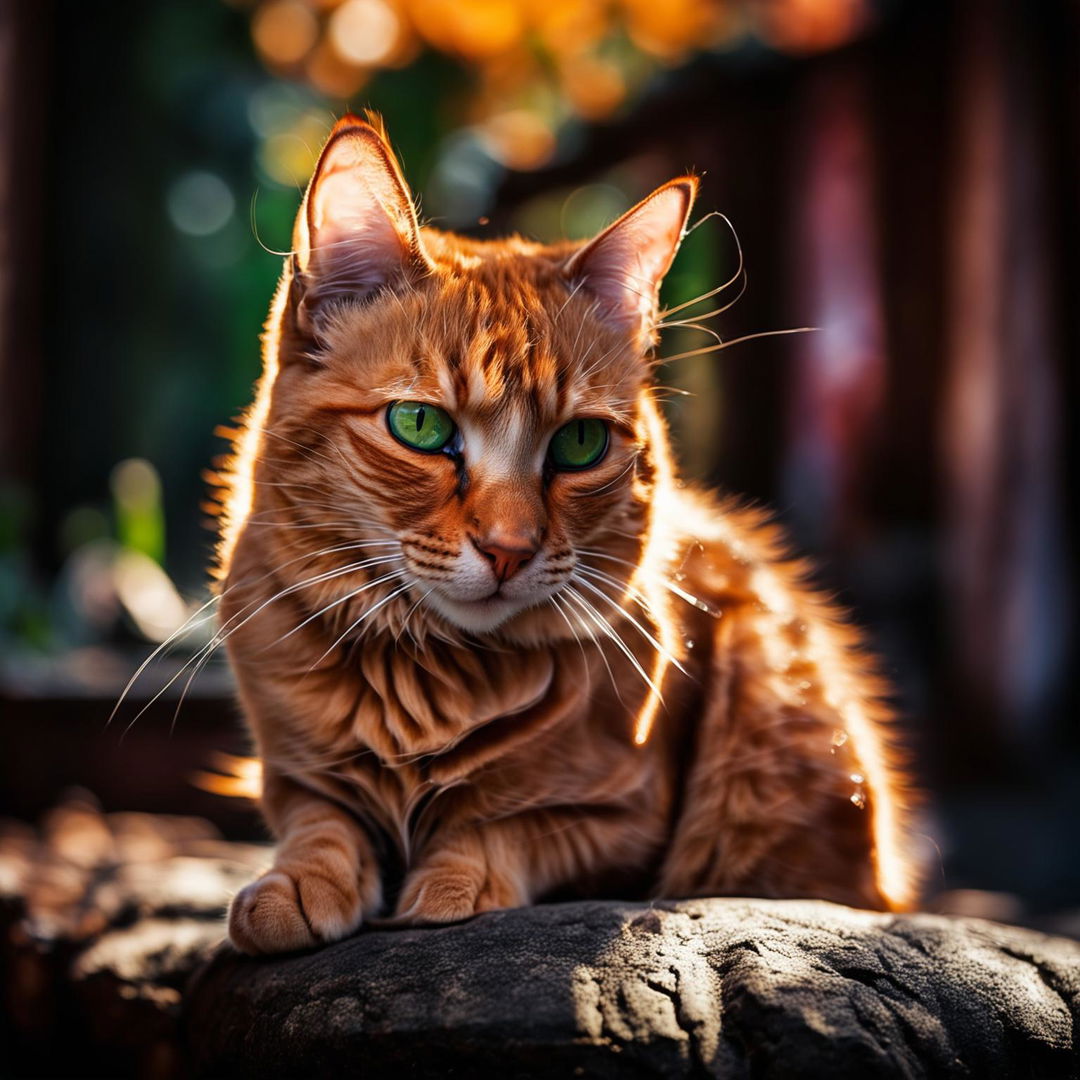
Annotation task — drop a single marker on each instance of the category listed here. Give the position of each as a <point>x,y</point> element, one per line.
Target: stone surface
<point>720,988</point>
<point>111,964</point>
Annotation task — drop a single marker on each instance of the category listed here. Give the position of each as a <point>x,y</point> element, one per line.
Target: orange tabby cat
<point>489,648</point>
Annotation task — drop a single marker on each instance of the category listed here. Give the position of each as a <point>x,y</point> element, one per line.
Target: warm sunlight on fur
<point>236,777</point>
<point>651,576</point>
<point>489,646</point>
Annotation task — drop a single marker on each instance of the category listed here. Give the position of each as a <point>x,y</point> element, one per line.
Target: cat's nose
<point>507,552</point>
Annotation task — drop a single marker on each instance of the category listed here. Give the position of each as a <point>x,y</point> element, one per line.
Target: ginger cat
<point>489,648</point>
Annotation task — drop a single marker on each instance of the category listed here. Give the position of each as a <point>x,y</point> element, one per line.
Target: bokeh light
<point>531,66</point>
<point>284,31</point>
<point>200,203</point>
<point>364,32</point>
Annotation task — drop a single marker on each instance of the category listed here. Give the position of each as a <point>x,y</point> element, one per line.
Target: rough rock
<point>704,988</point>
<point>111,964</point>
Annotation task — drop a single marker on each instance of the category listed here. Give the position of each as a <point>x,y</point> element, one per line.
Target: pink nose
<point>506,553</point>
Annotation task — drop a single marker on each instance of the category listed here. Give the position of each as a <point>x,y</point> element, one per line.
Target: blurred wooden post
<point>839,370</point>
<point>1004,569</point>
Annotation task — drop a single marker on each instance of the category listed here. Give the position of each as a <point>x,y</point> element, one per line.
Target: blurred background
<point>902,175</point>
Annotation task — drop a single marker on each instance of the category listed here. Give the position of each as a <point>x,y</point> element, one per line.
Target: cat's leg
<point>791,792</point>
<point>324,878</point>
<point>508,863</point>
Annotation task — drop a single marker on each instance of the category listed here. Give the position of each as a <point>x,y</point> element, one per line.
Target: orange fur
<point>432,748</point>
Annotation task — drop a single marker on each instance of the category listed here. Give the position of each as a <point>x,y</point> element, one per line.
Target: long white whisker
<point>340,600</point>
<point>614,480</point>
<point>554,602</point>
<point>367,614</point>
<point>682,594</point>
<point>205,659</point>
<point>408,616</point>
<point>623,586</point>
<point>609,630</point>
<point>190,624</point>
<point>299,446</point>
<point>665,325</point>
<point>224,632</point>
<point>630,618</point>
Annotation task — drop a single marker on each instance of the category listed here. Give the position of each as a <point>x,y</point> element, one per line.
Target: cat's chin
<point>476,616</point>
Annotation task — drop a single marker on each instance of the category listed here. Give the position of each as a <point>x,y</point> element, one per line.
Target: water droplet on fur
<point>858,799</point>
<point>689,644</point>
<point>805,685</point>
<point>700,604</point>
<point>858,778</point>
<point>839,737</point>
<point>680,576</point>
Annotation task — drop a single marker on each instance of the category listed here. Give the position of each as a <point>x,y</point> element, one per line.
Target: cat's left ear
<point>624,266</point>
<point>357,230</point>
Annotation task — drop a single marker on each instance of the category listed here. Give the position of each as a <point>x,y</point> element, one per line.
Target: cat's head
<point>478,403</point>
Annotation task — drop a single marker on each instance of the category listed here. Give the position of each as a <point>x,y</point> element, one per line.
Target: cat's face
<point>475,404</point>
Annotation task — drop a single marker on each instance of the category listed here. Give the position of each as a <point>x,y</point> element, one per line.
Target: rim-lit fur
<point>431,750</point>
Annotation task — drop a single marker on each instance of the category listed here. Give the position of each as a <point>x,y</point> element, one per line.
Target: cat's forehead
<point>498,338</point>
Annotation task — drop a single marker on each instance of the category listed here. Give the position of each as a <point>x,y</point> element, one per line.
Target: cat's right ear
<point>356,231</point>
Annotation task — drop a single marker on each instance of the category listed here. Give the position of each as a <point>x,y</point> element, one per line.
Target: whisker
<point>681,593</point>
<point>553,600</point>
<point>606,628</point>
<point>665,325</point>
<point>308,450</point>
<point>367,614</point>
<point>720,288</point>
<point>224,632</point>
<point>205,659</point>
<point>408,616</point>
<point>341,600</point>
<point>660,648</point>
<point>162,648</point>
<point>623,586</point>
<point>216,599</point>
<point>737,341</point>
<point>614,480</point>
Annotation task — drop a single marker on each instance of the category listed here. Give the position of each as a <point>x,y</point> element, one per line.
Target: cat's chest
<point>526,736</point>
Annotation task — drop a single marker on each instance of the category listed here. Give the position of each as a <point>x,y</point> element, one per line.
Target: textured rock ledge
<point>718,988</point>
<point>111,965</point>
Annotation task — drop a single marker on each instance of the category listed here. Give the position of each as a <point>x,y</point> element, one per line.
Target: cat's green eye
<point>579,444</point>
<point>420,425</point>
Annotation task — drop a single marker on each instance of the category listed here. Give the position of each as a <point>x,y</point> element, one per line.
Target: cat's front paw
<point>444,894</point>
<point>283,911</point>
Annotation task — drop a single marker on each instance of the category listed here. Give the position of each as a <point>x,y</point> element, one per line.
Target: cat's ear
<point>356,231</point>
<point>624,266</point>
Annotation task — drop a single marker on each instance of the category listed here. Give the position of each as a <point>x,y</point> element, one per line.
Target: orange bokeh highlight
<point>545,60</point>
